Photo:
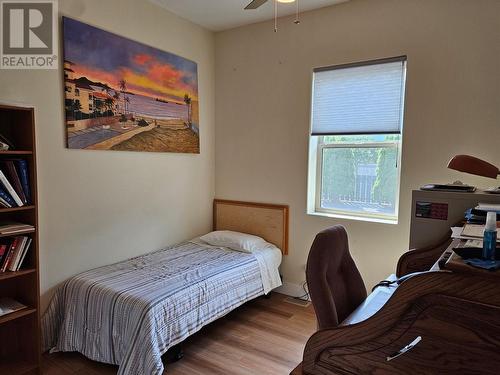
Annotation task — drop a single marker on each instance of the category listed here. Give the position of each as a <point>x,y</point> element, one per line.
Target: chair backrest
<point>335,284</point>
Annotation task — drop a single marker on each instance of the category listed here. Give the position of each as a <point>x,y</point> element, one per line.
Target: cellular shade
<point>365,98</point>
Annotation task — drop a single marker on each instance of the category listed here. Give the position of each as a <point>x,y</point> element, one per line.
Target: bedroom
<point>97,208</point>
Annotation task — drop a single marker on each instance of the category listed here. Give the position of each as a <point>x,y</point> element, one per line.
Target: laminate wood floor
<point>263,337</point>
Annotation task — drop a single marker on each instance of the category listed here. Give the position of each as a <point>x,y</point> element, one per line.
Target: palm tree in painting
<point>109,105</point>
<point>188,101</point>
<point>123,88</point>
<point>98,107</point>
<point>127,102</point>
<point>106,89</point>
<point>116,97</point>
<point>77,108</point>
<point>69,105</point>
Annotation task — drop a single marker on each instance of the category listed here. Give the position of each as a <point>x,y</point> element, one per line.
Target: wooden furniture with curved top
<point>451,314</point>
<point>421,259</point>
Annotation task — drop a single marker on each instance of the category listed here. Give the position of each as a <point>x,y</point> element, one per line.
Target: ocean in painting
<point>140,105</point>
<point>124,95</point>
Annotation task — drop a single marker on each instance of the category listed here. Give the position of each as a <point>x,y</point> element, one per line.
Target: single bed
<point>130,313</point>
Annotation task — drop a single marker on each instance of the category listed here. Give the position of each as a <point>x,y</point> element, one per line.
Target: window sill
<point>354,217</point>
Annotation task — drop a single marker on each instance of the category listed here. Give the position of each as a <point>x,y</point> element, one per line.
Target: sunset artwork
<point>126,96</point>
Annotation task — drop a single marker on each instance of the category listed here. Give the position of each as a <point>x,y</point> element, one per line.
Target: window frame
<point>317,146</point>
<point>366,216</point>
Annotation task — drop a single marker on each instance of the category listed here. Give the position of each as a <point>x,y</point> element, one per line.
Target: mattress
<point>132,312</point>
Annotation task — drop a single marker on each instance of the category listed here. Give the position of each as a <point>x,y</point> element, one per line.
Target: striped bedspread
<point>131,312</point>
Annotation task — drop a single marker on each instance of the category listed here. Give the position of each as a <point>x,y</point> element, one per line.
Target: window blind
<point>364,98</point>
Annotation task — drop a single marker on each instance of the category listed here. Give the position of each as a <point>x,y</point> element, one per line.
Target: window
<point>355,143</point>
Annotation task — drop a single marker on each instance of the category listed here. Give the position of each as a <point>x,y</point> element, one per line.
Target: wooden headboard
<point>269,221</point>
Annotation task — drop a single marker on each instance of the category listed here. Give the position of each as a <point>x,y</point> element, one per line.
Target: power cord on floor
<point>305,296</point>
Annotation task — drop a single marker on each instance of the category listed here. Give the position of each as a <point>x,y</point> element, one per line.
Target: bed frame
<point>269,221</point>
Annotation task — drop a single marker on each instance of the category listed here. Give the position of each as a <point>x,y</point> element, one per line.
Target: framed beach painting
<point>126,96</point>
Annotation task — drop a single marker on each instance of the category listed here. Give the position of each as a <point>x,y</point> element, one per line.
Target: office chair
<point>335,284</point>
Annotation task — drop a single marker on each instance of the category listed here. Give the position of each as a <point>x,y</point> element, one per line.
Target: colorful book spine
<point>18,252</point>
<point>10,254</point>
<point>3,250</point>
<point>10,189</point>
<point>22,168</point>
<point>11,173</point>
<point>6,197</point>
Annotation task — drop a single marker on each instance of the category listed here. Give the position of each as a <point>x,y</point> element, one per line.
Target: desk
<point>454,308</point>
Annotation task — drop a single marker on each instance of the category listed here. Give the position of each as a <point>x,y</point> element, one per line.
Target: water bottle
<point>490,236</point>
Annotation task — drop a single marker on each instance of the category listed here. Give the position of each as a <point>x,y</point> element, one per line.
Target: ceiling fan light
<point>286,1</point>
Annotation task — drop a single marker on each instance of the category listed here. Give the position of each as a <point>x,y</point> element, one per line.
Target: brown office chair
<point>335,284</point>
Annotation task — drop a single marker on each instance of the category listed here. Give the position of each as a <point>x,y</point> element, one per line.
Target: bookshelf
<point>20,331</point>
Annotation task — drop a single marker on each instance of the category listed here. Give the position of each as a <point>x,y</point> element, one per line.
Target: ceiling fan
<point>257,3</point>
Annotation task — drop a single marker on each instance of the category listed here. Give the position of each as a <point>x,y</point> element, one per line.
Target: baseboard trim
<point>290,289</point>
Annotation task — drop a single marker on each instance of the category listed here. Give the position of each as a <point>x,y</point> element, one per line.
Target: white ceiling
<point>218,15</point>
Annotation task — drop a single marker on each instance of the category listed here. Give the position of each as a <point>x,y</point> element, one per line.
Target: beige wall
<point>263,95</point>
<point>98,207</point>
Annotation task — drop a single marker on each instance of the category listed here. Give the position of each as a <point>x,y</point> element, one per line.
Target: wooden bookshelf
<point>20,233</point>
<point>22,272</point>
<point>16,152</point>
<point>12,209</point>
<point>20,331</point>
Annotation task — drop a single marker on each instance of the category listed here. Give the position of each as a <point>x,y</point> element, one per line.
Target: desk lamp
<point>473,165</point>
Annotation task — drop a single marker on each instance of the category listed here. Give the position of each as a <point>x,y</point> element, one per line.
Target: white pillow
<point>234,240</point>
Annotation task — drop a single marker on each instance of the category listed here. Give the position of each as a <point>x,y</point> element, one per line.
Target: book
<point>18,252</point>
<point>449,187</point>
<point>25,251</point>
<point>22,169</point>
<point>9,305</point>
<point>13,228</point>
<point>3,204</point>
<point>474,244</point>
<point>473,231</point>
<point>9,256</point>
<point>5,182</point>
<point>6,197</point>
<point>6,241</point>
<point>3,250</point>
<point>10,171</point>
<point>14,248</point>
<point>475,216</point>
<point>7,141</point>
